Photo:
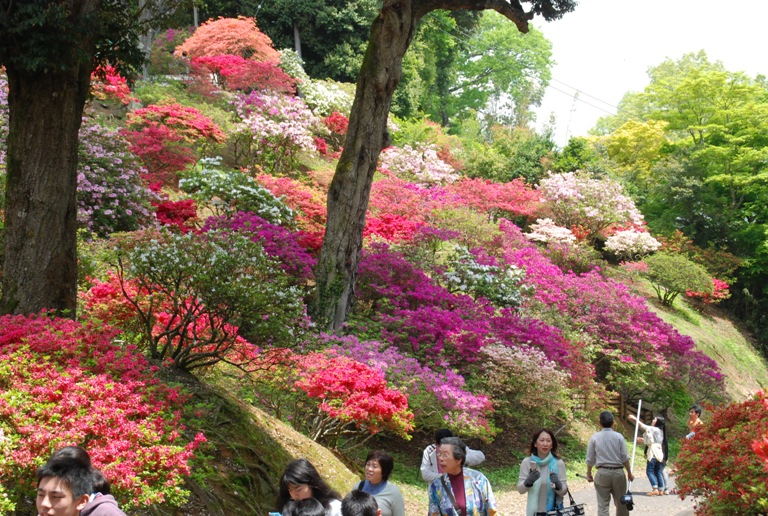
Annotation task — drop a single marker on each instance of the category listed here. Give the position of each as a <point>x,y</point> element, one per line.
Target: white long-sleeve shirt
<point>429,464</point>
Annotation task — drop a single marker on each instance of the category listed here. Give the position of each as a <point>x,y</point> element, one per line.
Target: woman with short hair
<point>378,466</point>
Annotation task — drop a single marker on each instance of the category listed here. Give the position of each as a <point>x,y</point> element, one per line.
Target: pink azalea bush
<point>578,199</point>
<point>421,165</point>
<point>273,130</point>
<point>66,383</point>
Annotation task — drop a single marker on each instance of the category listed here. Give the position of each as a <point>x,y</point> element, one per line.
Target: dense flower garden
<point>481,306</point>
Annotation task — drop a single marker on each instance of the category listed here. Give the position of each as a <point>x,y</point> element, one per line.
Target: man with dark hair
<point>694,420</point>
<point>63,487</point>
<point>607,450</point>
<point>459,490</point>
<point>430,466</point>
<point>358,503</point>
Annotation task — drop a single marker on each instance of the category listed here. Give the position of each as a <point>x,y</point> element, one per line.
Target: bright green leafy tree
<point>674,274</point>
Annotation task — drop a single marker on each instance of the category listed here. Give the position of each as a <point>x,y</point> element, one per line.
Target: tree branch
<point>510,9</point>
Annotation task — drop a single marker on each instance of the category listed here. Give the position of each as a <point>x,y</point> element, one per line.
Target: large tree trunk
<point>40,266</point>
<point>391,34</point>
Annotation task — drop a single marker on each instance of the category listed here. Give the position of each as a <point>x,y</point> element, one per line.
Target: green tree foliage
<point>507,153</point>
<point>674,274</point>
<point>579,154</point>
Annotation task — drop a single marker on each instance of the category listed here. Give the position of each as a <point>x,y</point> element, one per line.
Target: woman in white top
<point>655,439</point>
<point>301,481</point>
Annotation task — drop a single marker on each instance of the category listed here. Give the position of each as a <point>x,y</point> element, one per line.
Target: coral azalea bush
<point>718,465</point>
<point>65,383</point>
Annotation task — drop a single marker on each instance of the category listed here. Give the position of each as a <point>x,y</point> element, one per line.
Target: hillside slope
<point>716,335</point>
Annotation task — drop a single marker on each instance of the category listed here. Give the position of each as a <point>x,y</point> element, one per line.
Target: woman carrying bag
<point>655,439</point>
<point>542,475</point>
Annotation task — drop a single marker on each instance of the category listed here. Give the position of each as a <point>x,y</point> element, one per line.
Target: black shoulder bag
<point>572,510</point>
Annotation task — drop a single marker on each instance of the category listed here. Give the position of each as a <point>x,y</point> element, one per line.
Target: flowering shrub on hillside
<point>674,274</point>
<point>390,228</point>
<point>323,97</point>
<point>336,400</point>
<point>632,343</point>
<point>107,83</point>
<point>719,292</point>
<point>234,36</point>
<point>501,285</point>
<point>161,58</point>
<point>718,466</point>
<point>437,394</point>
<point>527,389</point>
<point>545,231</point>
<point>420,165</point>
<point>110,193</point>
<point>578,199</point>
<point>195,295</point>
<point>65,383</point>
<point>512,199</point>
<point>236,73</point>
<point>225,192</point>
<point>181,214</point>
<point>278,242</point>
<point>273,130</point>
<point>168,137</point>
<point>631,244</point>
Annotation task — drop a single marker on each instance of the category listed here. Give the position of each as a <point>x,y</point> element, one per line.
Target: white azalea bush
<point>546,231</point>
<point>631,244</point>
<point>420,165</point>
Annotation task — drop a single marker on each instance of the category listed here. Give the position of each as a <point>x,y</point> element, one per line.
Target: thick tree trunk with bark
<point>391,34</point>
<point>40,266</point>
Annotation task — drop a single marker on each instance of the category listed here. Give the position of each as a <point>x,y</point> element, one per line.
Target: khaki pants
<point>610,482</point>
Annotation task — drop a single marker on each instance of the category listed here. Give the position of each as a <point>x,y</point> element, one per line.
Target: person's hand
<point>533,476</point>
<point>589,477</point>
<point>555,481</point>
<point>631,417</point>
<point>640,440</point>
<point>630,476</point>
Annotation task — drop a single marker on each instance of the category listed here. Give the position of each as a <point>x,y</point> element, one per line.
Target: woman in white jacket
<point>655,439</point>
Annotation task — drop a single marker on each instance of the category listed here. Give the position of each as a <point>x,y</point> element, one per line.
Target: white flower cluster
<point>632,244</point>
<point>421,165</point>
<point>323,97</point>
<point>545,230</point>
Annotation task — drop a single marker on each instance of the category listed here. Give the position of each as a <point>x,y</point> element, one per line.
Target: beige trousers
<point>610,482</point>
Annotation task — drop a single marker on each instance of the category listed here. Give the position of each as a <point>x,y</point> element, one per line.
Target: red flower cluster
<point>65,383</point>
<point>107,83</point>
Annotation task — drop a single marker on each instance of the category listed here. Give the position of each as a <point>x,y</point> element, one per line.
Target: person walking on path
<point>607,451</point>
<point>430,466</point>
<point>542,475</point>
<point>459,491</point>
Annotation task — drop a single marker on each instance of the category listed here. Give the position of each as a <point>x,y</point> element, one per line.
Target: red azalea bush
<point>391,228</point>
<point>307,201</point>
<point>338,400</point>
<point>107,83</point>
<point>719,292</point>
<point>168,137</point>
<point>66,383</point>
<point>236,73</point>
<point>513,199</point>
<point>181,214</point>
<point>718,465</point>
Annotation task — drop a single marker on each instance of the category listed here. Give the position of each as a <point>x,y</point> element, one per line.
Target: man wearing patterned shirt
<point>459,491</point>
<point>607,450</point>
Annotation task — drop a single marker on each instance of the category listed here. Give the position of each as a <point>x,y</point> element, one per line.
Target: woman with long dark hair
<point>301,481</point>
<point>542,475</point>
<point>656,451</point>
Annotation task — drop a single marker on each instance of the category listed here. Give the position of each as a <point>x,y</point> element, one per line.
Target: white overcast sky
<point>604,48</point>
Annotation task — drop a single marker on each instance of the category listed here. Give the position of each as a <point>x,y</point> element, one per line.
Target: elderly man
<point>459,491</point>
<point>607,450</point>
<point>430,466</point>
